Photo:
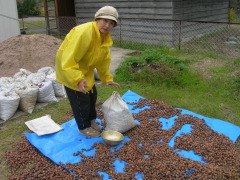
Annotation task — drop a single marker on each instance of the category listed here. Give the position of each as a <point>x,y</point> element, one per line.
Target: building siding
<point>201,10</point>
<point>135,16</point>
<point>8,19</point>
<point>204,10</point>
<point>127,9</point>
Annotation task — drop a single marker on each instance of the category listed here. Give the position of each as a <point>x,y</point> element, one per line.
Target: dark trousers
<point>83,106</point>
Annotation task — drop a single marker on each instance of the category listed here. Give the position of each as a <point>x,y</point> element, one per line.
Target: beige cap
<point>107,12</point>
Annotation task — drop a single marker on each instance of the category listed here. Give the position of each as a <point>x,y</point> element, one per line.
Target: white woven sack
<point>36,78</point>
<point>117,114</point>
<point>7,84</point>
<point>57,87</point>
<point>22,75</point>
<point>46,93</point>
<point>5,80</point>
<point>9,102</point>
<point>46,70</point>
<point>28,98</point>
<point>25,71</point>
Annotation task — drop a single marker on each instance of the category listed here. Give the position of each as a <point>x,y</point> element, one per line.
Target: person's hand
<point>81,86</point>
<point>113,83</point>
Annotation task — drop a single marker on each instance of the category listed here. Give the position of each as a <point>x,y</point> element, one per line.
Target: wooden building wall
<point>201,10</point>
<point>156,32</point>
<point>127,8</point>
<point>204,10</point>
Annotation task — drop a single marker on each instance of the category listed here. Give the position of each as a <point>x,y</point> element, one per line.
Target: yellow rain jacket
<point>80,53</point>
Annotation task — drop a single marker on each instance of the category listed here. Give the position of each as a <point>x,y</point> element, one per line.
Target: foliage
<point>156,66</point>
<point>164,74</point>
<point>28,8</point>
<point>236,63</point>
<point>234,3</point>
<point>135,45</point>
<point>35,24</point>
<point>232,15</point>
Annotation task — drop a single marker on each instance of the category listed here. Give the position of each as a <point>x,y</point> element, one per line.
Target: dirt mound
<point>30,52</point>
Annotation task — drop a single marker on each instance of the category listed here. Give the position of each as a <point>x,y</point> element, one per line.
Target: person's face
<point>105,25</point>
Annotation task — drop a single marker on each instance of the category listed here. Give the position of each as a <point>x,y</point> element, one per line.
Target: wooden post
<point>46,17</point>
<point>57,17</point>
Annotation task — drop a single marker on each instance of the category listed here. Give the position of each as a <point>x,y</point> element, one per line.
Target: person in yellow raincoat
<point>86,47</point>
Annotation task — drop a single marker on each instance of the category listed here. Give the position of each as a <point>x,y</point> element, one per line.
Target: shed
<point>204,10</point>
<point>8,19</point>
<point>138,17</point>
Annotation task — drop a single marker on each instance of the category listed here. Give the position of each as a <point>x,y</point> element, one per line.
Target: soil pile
<point>30,52</point>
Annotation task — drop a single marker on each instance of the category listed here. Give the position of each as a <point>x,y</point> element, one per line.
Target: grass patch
<point>35,24</point>
<point>208,89</point>
<point>136,45</point>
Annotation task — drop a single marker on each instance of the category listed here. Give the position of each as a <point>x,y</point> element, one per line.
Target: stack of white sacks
<point>25,89</point>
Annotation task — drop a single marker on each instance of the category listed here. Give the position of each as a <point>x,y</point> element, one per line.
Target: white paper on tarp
<point>43,125</point>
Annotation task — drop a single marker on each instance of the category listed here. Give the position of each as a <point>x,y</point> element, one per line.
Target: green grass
<point>237,20</point>
<point>183,87</point>
<point>35,24</point>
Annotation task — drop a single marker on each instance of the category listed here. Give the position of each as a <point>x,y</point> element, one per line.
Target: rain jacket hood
<point>80,53</point>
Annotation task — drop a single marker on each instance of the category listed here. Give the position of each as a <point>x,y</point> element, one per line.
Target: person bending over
<point>86,47</point>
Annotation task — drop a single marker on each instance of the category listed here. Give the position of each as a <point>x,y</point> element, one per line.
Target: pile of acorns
<point>147,153</point>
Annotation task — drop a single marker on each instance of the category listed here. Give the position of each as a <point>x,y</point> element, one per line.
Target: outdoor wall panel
<point>8,19</point>
<point>134,14</point>
<point>204,10</point>
<point>127,9</point>
<point>128,4</point>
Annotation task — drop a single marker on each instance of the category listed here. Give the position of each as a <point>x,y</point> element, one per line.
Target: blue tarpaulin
<point>61,146</point>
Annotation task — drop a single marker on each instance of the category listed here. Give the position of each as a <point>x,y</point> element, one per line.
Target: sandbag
<point>46,70</point>
<point>46,93</point>
<point>5,80</point>
<point>36,78</point>
<point>22,75</point>
<point>57,87</point>
<point>9,102</point>
<point>28,97</point>
<point>7,84</point>
<point>117,114</point>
